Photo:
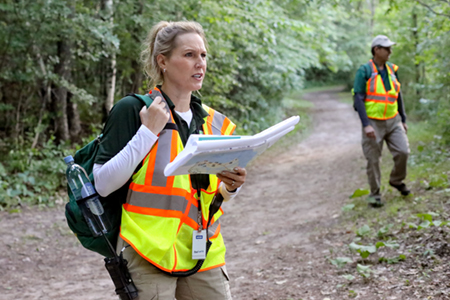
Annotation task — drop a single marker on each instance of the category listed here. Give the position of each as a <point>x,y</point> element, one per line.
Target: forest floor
<point>281,231</point>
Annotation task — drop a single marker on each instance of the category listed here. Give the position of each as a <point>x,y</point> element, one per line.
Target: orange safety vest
<point>161,213</point>
<point>381,104</point>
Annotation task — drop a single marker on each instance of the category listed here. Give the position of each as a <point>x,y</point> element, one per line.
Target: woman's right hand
<point>156,116</point>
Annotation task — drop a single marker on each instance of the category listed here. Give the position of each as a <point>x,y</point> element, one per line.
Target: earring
<point>164,70</point>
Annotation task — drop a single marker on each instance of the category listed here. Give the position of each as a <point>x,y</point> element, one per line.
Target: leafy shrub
<point>31,176</point>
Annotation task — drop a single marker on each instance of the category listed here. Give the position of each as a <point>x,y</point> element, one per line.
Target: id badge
<point>199,244</point>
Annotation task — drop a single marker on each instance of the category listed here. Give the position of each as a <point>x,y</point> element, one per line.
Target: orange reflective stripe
<point>212,267</point>
<point>376,101</point>
<point>153,211</point>
<point>162,190</point>
<point>189,220</point>
<point>228,127</point>
<point>373,67</point>
<point>174,146</point>
<point>151,160</point>
<point>224,128</point>
<point>385,108</point>
<point>216,233</point>
<point>164,213</point>
<point>208,123</point>
<point>175,258</point>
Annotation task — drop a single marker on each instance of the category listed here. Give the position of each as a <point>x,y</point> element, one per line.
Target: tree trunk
<point>107,6</point>
<point>416,50</point>
<point>59,95</point>
<point>73,117</point>
<point>136,77</point>
<point>371,5</point>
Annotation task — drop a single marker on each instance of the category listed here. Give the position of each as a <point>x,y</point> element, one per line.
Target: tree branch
<point>432,10</point>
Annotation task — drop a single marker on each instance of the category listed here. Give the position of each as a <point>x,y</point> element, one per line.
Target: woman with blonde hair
<point>170,232</point>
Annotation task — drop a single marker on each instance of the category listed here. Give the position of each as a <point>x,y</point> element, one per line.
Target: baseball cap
<point>382,40</point>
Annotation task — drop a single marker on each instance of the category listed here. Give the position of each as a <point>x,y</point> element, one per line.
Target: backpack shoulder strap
<point>146,99</point>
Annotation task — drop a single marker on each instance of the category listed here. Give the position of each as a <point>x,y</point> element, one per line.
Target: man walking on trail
<point>379,103</point>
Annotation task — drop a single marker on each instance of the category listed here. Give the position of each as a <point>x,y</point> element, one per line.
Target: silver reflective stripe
<point>162,158</point>
<point>212,229</point>
<point>164,148</point>
<point>373,77</point>
<point>395,83</point>
<point>372,97</point>
<point>381,98</point>
<point>392,99</point>
<point>372,83</point>
<point>167,202</point>
<point>393,78</point>
<point>217,123</point>
<point>193,213</point>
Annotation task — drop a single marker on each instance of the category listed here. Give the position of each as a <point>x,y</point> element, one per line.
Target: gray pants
<point>393,133</point>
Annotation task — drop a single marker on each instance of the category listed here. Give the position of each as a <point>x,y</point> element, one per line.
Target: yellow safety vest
<point>161,213</point>
<point>381,104</point>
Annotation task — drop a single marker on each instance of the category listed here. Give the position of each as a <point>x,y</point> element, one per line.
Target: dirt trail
<point>273,250</point>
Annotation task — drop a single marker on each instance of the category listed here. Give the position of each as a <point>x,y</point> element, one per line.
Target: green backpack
<point>112,204</point>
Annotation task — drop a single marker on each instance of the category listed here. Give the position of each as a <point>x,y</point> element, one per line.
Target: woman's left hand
<point>233,180</point>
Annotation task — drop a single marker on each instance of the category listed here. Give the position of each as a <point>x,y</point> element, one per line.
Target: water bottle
<point>82,188</point>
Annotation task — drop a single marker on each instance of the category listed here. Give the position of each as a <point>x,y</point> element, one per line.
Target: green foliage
<point>427,221</point>
<point>348,277</point>
<point>348,207</point>
<point>389,244</point>
<point>364,251</point>
<point>31,176</point>
<point>364,230</point>
<point>359,193</point>
<point>340,261</point>
<point>422,39</point>
<point>364,271</point>
<point>393,260</point>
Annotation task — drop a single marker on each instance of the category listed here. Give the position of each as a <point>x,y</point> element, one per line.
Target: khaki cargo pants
<point>152,284</point>
<point>393,133</point>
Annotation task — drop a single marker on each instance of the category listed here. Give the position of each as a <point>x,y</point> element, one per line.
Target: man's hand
<point>233,180</point>
<point>370,132</point>
<point>156,116</point>
<point>405,127</point>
